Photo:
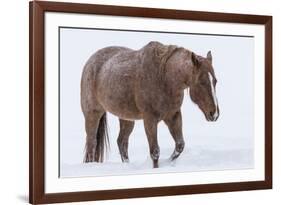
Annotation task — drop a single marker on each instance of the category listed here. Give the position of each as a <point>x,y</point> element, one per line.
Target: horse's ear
<point>209,56</point>
<point>194,59</point>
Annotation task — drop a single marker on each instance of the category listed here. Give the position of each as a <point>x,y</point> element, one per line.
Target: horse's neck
<point>179,71</point>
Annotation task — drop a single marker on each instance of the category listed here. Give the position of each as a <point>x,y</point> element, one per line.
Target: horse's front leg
<point>126,128</point>
<point>150,125</point>
<point>174,123</point>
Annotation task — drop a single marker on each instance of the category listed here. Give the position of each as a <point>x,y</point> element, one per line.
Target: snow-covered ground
<point>225,144</point>
<point>202,152</point>
<point>191,160</point>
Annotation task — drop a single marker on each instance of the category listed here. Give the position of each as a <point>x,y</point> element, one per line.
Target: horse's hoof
<point>125,161</point>
<point>175,155</point>
<point>155,164</point>
<point>88,158</point>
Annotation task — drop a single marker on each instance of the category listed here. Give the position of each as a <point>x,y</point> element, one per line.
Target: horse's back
<point>96,61</point>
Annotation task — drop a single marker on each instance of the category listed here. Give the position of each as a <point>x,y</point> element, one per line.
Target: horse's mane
<point>163,53</point>
<point>159,54</point>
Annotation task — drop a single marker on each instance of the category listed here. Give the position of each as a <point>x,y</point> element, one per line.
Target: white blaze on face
<point>214,95</point>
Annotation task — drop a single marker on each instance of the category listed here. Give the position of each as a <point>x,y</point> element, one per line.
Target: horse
<point>146,84</point>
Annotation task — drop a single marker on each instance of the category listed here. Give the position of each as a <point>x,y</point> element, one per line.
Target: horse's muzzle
<point>213,116</point>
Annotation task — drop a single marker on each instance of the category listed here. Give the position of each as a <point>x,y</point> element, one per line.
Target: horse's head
<point>203,86</point>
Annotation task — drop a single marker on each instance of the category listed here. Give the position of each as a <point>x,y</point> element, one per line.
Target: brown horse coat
<point>143,84</point>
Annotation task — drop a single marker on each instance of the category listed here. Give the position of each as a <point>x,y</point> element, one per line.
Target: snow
<point>201,153</point>
<point>195,159</point>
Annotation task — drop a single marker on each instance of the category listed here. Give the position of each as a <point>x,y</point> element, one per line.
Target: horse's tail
<point>102,140</point>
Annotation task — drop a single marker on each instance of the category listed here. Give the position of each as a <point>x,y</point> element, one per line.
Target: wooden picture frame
<point>37,10</point>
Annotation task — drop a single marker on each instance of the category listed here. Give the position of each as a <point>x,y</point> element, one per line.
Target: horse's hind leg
<point>174,123</point>
<point>126,128</point>
<point>91,124</point>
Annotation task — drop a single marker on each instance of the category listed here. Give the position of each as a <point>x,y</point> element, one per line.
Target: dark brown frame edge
<point>37,194</point>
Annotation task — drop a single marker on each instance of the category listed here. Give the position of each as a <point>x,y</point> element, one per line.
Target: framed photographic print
<point>138,102</point>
